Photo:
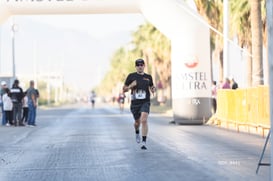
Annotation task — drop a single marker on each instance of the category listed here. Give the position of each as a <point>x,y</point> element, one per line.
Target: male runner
<point>140,84</point>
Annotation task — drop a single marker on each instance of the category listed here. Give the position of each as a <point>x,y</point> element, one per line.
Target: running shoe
<point>137,138</point>
<point>143,147</point>
<point>31,125</point>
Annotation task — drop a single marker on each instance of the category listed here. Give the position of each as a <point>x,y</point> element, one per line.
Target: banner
<point>28,7</point>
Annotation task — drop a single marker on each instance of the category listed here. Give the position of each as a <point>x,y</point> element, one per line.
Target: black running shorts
<point>137,108</point>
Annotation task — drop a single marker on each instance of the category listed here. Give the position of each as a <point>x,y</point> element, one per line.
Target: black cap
<point>139,61</point>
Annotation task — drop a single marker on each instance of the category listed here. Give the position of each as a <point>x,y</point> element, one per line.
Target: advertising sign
<point>191,65</point>
<point>191,77</point>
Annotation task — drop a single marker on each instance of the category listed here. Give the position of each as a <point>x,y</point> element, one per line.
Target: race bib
<point>140,94</point>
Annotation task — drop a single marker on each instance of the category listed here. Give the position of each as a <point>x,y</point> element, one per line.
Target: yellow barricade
<point>221,105</point>
<point>244,106</point>
<point>253,103</point>
<point>264,106</point>
<point>241,104</point>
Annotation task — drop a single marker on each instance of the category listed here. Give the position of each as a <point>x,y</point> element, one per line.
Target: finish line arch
<point>190,56</point>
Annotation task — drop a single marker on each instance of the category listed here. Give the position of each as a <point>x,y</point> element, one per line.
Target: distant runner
<point>93,99</point>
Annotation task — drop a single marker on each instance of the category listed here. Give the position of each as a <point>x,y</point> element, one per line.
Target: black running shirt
<point>141,92</point>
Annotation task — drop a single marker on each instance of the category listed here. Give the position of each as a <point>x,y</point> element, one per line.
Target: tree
<point>248,24</point>
<point>212,12</point>
<point>257,45</point>
<point>147,43</point>
<point>241,28</point>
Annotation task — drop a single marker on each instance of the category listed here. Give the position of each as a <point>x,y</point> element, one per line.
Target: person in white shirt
<point>2,91</point>
<point>7,106</point>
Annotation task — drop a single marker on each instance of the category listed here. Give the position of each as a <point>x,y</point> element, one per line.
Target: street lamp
<point>14,29</point>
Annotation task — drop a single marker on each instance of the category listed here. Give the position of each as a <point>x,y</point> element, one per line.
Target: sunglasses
<point>139,64</point>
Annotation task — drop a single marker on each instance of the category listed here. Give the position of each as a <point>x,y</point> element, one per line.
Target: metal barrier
<point>243,107</point>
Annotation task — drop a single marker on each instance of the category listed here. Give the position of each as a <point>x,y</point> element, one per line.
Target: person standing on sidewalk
<point>233,83</point>
<point>32,96</point>
<point>8,105</point>
<point>214,96</point>
<point>25,108</point>
<point>17,96</point>
<point>140,84</point>
<point>2,92</point>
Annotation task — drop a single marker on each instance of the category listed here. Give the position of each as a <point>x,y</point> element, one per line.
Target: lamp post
<point>14,29</point>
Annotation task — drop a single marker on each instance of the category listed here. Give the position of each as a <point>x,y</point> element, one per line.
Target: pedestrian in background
<point>17,96</point>
<point>214,96</point>
<point>234,84</point>
<point>93,99</point>
<point>226,84</point>
<point>32,104</point>
<point>140,84</point>
<point>121,100</point>
<point>8,107</point>
<point>25,109</point>
<point>2,92</point>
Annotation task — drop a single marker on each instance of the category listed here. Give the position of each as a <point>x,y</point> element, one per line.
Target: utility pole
<point>13,54</point>
<point>269,20</point>
<point>14,29</point>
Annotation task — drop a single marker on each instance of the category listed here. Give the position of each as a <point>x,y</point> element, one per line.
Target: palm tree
<point>257,42</point>
<point>247,26</point>
<point>149,43</point>
<point>212,12</point>
<point>241,28</point>
<point>246,23</point>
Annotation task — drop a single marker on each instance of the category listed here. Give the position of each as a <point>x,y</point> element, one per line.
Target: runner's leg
<point>137,125</point>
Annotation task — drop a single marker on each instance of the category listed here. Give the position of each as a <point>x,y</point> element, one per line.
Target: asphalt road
<point>79,143</point>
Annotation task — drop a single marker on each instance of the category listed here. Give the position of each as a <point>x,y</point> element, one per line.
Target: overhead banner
<point>28,7</point>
